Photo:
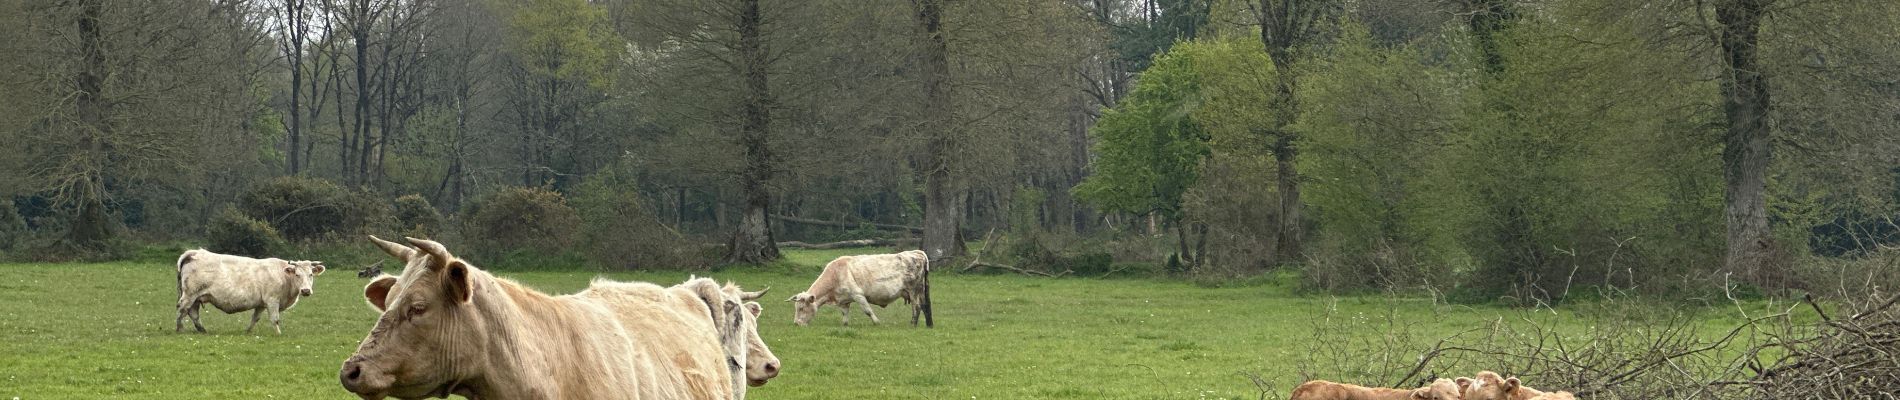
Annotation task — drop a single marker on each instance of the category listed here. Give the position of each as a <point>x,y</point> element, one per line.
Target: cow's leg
<point>184,310</point>
<point>254,314</point>
<point>197,310</point>
<point>844,312</point>
<point>866,305</point>
<point>276,317</point>
<point>915,309</point>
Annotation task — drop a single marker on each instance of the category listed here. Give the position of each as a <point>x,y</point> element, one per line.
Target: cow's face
<point>305,273</point>
<point>761,365</point>
<point>1487,386</point>
<point>802,308</point>
<point>1441,389</point>
<point>427,341</point>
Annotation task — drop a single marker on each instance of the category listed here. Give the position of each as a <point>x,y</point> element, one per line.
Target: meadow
<point>106,330</point>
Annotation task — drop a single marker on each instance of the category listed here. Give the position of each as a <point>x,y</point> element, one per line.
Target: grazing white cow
<point>866,280</point>
<point>235,283</point>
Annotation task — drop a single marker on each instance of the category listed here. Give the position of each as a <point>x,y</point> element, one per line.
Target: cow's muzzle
<point>356,380</point>
<point>305,292</point>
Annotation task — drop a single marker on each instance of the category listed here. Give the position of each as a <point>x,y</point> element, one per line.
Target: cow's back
<point>881,277</point>
<point>677,349</point>
<point>233,283</point>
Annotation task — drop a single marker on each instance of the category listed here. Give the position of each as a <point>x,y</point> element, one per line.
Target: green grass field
<point>105,330</point>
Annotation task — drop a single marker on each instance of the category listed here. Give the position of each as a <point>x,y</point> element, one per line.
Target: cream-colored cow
<point>447,327</point>
<point>1442,389</point>
<point>235,284</point>
<point>865,281</point>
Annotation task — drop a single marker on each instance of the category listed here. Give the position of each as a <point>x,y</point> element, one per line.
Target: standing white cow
<point>866,280</point>
<point>235,283</point>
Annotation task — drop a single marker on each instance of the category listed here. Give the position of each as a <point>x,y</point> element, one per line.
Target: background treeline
<point>1488,149</point>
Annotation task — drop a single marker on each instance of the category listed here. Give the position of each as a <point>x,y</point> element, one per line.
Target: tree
<point>1745,149</point>
<point>1287,26</point>
<point>943,201</point>
<point>1149,149</point>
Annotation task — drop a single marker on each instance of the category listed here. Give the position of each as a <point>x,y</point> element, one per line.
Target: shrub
<point>231,232</point>
<point>518,218</point>
<point>304,208</point>
<point>12,226</point>
<point>619,231</point>
<point>416,217</point>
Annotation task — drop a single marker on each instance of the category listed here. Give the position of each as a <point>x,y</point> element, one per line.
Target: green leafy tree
<point>1149,149</point>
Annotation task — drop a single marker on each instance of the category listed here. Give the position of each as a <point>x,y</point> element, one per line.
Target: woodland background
<point>1485,149</point>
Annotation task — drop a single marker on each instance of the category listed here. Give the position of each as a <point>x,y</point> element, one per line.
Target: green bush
<point>620,231</point>
<point>12,226</point>
<point>523,219</point>
<point>416,217</point>
<point>230,232</point>
<point>307,208</point>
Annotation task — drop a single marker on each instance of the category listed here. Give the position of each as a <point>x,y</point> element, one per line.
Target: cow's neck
<point>826,287</point>
<point>515,366</point>
<point>506,309</point>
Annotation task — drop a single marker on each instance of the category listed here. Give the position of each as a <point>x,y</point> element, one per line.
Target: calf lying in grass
<point>1442,389</point>
<point>1489,386</point>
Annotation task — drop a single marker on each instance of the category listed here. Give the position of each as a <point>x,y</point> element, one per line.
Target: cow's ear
<point>456,283</point>
<point>1510,384</point>
<point>754,308</point>
<point>1463,383</point>
<point>377,292</point>
<point>316,269</point>
<point>1421,394</point>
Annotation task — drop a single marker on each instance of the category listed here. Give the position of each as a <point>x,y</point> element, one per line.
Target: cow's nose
<point>306,292</point>
<point>352,375</point>
<point>771,369</point>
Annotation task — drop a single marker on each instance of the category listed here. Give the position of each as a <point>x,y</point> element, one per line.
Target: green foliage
<point>1373,120</point>
<point>309,208</point>
<point>12,226</point>
<point>416,217</point>
<point>523,219</point>
<point>1138,42</point>
<point>564,39</point>
<point>231,232</point>
<point>1148,151</point>
<point>619,230</point>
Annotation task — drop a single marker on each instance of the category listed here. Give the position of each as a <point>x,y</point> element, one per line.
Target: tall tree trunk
<point>942,221</point>
<point>1290,232</point>
<point>752,243</point>
<point>1745,150</point>
<point>295,29</point>
<point>1285,26</point>
<point>361,22</point>
<point>90,224</point>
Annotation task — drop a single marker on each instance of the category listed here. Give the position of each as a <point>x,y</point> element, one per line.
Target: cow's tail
<point>182,260</point>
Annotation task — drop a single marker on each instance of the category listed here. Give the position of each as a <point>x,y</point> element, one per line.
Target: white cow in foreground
<point>235,283</point>
<point>866,280</point>
<point>448,328</point>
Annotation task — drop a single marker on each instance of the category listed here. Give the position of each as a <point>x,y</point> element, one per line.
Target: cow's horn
<point>428,246</point>
<point>753,296</point>
<point>395,250</point>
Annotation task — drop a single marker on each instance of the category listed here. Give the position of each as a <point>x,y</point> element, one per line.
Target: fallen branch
<point>1018,270</point>
<point>836,224</point>
<point>846,244</point>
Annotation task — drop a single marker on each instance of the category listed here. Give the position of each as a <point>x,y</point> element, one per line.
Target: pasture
<point>105,330</point>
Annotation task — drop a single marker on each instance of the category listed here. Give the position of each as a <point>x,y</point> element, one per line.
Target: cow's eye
<point>417,310</point>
